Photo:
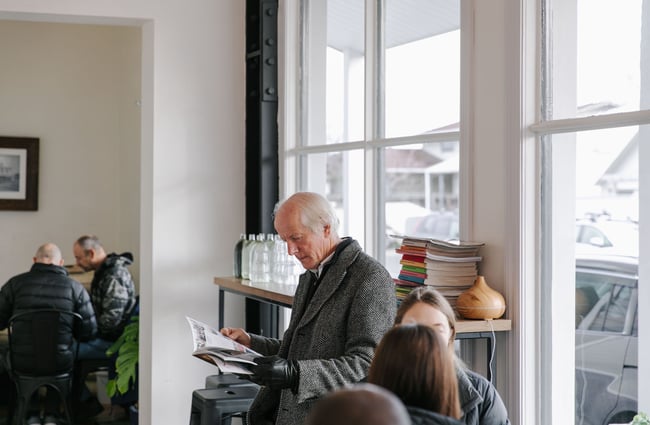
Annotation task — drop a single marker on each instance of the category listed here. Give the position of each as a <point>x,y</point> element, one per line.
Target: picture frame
<point>19,173</point>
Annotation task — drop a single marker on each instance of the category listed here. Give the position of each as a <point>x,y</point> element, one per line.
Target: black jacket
<point>479,400</point>
<point>427,417</point>
<point>112,293</point>
<point>47,286</point>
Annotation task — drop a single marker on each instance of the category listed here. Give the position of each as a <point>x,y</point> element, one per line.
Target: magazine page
<point>438,243</point>
<point>210,342</point>
<point>224,367</point>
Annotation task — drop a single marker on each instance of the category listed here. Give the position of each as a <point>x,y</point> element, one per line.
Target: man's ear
<point>327,229</point>
<point>61,261</point>
<point>34,259</point>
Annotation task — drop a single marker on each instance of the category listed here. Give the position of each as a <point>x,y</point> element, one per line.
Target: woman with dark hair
<point>479,400</point>
<point>413,362</point>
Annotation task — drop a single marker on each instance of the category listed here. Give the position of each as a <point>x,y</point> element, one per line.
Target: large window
<point>595,101</point>
<point>378,122</point>
<point>377,129</point>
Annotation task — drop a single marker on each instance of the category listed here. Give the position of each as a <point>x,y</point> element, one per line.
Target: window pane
<point>417,93</point>
<point>603,179</point>
<point>421,194</point>
<point>333,71</point>
<point>603,300</point>
<point>339,176</point>
<point>594,55</point>
<point>604,72</point>
<point>422,60</point>
<point>606,343</point>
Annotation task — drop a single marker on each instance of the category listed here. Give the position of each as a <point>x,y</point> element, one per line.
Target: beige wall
<point>77,89</point>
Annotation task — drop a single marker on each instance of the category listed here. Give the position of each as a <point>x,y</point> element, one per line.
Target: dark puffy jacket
<point>47,286</point>
<point>479,400</point>
<point>112,292</point>
<point>427,417</point>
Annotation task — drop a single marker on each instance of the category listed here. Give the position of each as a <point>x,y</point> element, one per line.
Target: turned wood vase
<point>480,302</point>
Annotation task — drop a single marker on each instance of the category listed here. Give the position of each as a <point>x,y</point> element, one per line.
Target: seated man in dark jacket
<point>112,293</point>
<point>46,285</point>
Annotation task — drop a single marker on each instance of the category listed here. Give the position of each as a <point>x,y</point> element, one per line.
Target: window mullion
<point>374,124</point>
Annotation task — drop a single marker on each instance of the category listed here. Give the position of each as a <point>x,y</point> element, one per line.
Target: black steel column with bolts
<point>262,169</point>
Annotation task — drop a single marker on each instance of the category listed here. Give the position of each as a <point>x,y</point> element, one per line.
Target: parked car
<point>398,213</point>
<point>607,236</point>
<point>606,339</point>
<point>437,225</point>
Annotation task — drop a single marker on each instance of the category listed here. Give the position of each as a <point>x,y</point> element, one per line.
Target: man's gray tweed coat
<point>334,340</point>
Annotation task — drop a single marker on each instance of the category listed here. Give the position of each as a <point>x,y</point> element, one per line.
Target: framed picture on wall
<point>18,173</point>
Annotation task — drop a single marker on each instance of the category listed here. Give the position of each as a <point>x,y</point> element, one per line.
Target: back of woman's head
<point>413,362</point>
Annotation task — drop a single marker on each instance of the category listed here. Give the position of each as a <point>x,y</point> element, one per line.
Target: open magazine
<point>225,353</point>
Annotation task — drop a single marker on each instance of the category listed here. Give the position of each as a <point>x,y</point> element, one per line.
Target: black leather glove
<point>275,372</point>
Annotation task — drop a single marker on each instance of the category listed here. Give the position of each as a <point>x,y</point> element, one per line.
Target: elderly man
<point>343,305</point>
<point>46,285</point>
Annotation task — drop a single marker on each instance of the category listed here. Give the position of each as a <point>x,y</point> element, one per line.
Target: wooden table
<point>282,295</point>
<point>81,276</point>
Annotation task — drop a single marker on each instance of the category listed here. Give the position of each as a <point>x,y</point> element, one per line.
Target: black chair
<point>227,380</point>
<point>217,406</point>
<point>48,361</point>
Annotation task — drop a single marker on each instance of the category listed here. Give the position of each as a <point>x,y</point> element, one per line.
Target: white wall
<point>191,175</point>
<point>75,87</point>
<point>492,200</point>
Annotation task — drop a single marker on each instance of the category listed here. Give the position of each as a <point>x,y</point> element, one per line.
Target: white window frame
<point>519,127</point>
<point>289,128</point>
<point>557,398</point>
<point>510,349</point>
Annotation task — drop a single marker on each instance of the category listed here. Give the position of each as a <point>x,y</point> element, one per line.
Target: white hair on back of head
<point>316,211</point>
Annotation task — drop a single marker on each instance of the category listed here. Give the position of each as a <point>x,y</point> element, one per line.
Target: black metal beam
<point>262,169</point>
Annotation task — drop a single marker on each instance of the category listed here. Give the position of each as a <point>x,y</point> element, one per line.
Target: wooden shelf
<point>275,293</point>
<point>496,325</point>
<point>282,295</point>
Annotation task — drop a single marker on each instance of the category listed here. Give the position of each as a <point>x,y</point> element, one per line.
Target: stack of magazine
<point>213,347</point>
<point>449,266</point>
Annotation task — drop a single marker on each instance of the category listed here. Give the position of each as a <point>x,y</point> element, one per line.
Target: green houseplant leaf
<point>126,363</point>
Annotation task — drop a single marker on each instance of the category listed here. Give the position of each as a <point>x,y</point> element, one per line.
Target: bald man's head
<point>49,254</point>
<point>362,404</point>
